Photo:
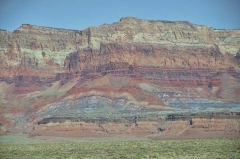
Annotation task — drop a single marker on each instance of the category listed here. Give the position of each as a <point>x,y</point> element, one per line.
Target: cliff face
<point>50,46</point>
<point>133,30</point>
<point>44,46</point>
<point>146,63</point>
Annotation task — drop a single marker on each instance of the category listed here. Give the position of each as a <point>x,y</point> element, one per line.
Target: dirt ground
<point>190,133</point>
<point>193,133</point>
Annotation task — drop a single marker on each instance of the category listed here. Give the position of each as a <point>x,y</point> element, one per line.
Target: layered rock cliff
<point>160,64</point>
<point>44,45</point>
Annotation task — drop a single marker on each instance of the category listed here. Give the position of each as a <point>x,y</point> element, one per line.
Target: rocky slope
<point>130,66</point>
<point>209,125</point>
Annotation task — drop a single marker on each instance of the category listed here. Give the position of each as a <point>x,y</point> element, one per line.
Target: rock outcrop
<point>207,124</point>
<point>161,64</point>
<point>43,44</point>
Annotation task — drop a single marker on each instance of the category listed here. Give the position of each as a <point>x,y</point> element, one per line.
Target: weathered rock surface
<point>49,46</point>
<point>132,65</point>
<point>172,126</point>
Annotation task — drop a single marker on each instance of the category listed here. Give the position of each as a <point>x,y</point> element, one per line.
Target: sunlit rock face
<point>130,66</point>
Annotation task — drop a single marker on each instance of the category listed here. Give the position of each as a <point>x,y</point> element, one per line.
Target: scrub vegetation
<point>194,148</point>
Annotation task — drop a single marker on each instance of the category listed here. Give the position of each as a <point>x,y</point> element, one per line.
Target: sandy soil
<point>189,133</point>
<point>193,133</point>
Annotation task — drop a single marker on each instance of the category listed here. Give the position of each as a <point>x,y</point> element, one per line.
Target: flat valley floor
<point>152,146</point>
